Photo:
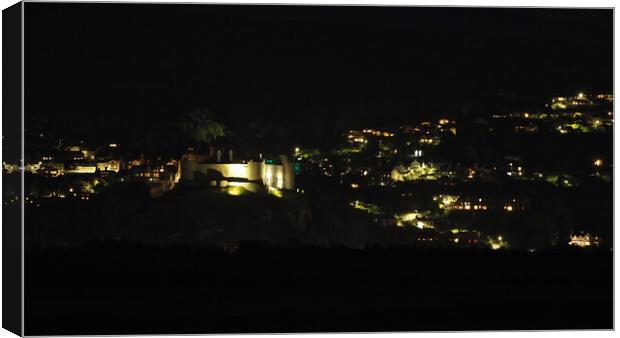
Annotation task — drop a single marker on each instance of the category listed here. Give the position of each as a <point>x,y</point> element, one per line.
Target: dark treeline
<point>111,287</point>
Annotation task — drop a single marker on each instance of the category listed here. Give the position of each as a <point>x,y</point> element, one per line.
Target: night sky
<point>115,69</point>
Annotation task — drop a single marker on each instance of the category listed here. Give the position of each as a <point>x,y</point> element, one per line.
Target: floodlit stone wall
<point>279,176</point>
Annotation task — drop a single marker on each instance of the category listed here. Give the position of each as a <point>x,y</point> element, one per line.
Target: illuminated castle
<point>251,175</point>
<point>584,240</point>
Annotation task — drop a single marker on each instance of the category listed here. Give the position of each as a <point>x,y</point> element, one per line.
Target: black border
<point>12,124</point>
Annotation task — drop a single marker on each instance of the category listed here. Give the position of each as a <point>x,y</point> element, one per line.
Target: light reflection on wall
<point>280,176</point>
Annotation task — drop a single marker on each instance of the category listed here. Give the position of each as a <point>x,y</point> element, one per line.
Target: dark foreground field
<point>115,288</point>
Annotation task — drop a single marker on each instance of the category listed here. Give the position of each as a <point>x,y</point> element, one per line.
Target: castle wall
<point>288,173</point>
<point>273,175</point>
<point>247,171</point>
<point>279,176</point>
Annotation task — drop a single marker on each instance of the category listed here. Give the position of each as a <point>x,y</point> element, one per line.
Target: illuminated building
<point>464,237</point>
<point>606,97</point>
<point>426,140</point>
<point>80,169</point>
<point>581,100</point>
<point>414,171</point>
<point>497,243</point>
<point>10,167</point>
<point>469,205</point>
<point>74,156</point>
<point>269,173</point>
<point>516,204</point>
<point>379,133</point>
<point>558,103</point>
<point>32,167</point>
<point>445,201</point>
<point>512,166</point>
<point>112,165</point>
<point>584,240</point>
<point>424,224</point>
<point>356,136</point>
<point>471,173</point>
<point>52,169</point>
